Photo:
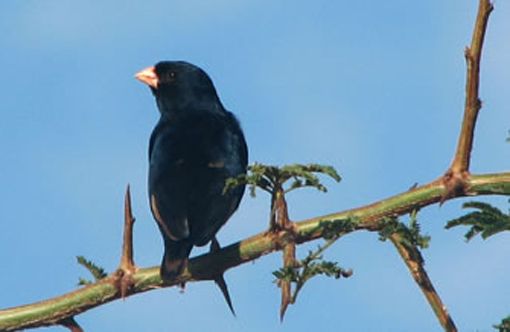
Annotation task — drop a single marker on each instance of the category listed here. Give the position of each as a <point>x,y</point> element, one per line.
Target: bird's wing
<point>227,157</point>
<point>168,183</point>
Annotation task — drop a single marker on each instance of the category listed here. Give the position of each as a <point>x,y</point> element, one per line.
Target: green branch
<point>203,267</point>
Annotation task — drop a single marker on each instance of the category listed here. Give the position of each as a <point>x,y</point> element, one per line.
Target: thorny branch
<point>454,178</point>
<point>53,311</point>
<point>457,182</point>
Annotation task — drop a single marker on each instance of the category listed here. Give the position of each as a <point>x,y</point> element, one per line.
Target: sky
<point>373,88</point>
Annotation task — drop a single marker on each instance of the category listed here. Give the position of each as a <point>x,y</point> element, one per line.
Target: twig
<point>315,255</point>
<point>454,178</point>
<point>412,257</point>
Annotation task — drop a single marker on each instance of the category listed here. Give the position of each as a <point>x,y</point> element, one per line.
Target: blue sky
<point>374,88</point>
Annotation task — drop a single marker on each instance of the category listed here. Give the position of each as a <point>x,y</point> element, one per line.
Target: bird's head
<point>179,86</point>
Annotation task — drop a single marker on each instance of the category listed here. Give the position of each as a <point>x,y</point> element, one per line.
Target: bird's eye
<point>172,76</point>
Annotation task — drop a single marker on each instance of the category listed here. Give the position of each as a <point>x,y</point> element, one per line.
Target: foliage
<point>487,221</point>
<point>411,235</point>
<point>278,181</point>
<point>504,326</point>
<point>97,272</point>
<point>332,229</point>
<point>271,178</point>
<point>312,265</point>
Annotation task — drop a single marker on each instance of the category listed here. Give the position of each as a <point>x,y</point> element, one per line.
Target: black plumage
<point>195,147</point>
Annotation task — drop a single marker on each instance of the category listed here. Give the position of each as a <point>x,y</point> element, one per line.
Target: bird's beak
<point>149,77</point>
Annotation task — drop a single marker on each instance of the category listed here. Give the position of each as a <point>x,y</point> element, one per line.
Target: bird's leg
<point>124,274</point>
<point>220,280</point>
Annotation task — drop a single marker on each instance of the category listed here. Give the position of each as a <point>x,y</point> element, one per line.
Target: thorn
<point>285,287</point>
<point>414,186</point>
<point>467,53</point>
<point>71,324</point>
<point>126,261</point>
<point>289,260</point>
<point>182,287</point>
<point>220,280</point>
<point>124,274</point>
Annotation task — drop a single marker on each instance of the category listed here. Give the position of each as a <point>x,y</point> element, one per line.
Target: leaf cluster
<point>97,272</point>
<point>332,229</point>
<point>411,235</point>
<point>312,265</point>
<point>272,178</point>
<point>487,221</point>
<point>504,326</point>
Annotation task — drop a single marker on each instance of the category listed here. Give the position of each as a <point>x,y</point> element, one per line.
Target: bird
<point>194,148</point>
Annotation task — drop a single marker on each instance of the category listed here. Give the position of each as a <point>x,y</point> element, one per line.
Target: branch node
<point>455,184</point>
<point>467,54</point>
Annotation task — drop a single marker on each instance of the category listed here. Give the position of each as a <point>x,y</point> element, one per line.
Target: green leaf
<point>272,178</point>
<point>504,326</point>
<point>83,282</point>
<point>310,266</point>
<point>97,272</point>
<point>487,221</point>
<point>411,235</point>
<point>331,229</point>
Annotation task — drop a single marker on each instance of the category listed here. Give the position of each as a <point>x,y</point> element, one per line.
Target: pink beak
<point>149,77</point>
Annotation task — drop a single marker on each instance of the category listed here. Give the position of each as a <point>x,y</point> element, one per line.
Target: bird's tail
<point>175,259</point>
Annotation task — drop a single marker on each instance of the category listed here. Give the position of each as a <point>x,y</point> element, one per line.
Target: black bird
<point>195,147</point>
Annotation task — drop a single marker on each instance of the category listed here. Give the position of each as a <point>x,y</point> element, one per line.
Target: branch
<point>414,262</point>
<point>473,103</point>
<point>454,178</point>
<point>204,267</point>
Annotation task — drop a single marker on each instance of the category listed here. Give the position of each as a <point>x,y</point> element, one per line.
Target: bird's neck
<point>172,110</point>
